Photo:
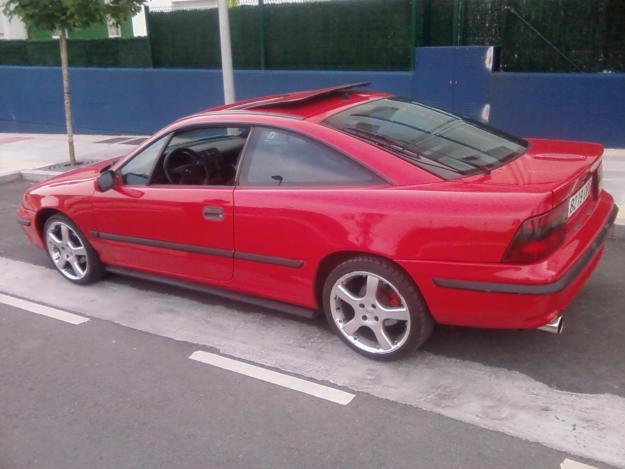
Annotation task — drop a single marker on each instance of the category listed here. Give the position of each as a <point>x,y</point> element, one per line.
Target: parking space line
<point>42,309</point>
<point>570,464</point>
<point>263,374</point>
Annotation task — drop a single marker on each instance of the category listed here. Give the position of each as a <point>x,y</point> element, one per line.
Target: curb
<point>10,176</point>
<point>32,175</point>
<point>36,175</point>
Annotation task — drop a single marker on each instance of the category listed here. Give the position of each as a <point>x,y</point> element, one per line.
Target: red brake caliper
<point>389,297</point>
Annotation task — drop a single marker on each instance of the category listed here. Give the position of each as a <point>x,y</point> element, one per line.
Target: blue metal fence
<point>139,101</point>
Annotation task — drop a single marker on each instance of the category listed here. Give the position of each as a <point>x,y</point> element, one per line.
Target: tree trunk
<point>66,96</point>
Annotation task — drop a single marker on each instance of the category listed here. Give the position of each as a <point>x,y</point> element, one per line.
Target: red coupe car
<point>386,214</point>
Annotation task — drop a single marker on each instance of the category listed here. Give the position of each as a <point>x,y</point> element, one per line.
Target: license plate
<point>576,200</point>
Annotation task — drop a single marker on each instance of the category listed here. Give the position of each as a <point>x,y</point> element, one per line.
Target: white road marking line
<point>42,309</point>
<point>286,381</point>
<point>570,464</point>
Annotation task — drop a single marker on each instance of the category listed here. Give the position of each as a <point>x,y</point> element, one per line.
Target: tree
<point>63,15</point>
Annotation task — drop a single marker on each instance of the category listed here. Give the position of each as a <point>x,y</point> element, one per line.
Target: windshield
<point>440,142</point>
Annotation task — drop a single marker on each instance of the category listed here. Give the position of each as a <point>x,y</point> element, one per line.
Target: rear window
<point>443,143</point>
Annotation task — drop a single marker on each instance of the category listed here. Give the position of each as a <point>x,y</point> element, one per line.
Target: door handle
<point>213,213</point>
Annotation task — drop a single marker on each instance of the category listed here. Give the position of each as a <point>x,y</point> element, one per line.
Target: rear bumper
<point>514,296</point>
<point>537,289</point>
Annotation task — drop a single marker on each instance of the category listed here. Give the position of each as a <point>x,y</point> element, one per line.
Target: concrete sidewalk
<point>23,156</point>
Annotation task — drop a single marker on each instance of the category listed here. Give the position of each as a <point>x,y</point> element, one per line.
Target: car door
<point>296,200</point>
<point>183,230</point>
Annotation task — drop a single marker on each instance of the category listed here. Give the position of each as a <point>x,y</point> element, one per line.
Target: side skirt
<point>253,300</point>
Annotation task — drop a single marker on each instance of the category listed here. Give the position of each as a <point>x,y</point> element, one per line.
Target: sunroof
<point>300,96</point>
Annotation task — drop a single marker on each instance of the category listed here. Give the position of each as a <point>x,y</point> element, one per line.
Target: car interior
<point>202,156</point>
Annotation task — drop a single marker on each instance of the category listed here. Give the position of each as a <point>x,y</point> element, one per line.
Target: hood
<point>80,174</point>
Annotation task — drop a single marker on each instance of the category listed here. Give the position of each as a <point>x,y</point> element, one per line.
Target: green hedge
<point>341,35</point>
<point>82,53</point>
<point>590,32</point>
<point>358,34</point>
<point>375,34</point>
<point>347,34</point>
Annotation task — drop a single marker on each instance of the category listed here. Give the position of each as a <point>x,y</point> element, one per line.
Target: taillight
<point>599,180</point>
<point>538,237</point>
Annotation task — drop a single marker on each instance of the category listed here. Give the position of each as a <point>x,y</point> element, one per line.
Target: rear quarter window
<point>283,159</point>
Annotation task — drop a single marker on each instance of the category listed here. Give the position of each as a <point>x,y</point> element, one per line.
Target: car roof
<point>302,112</point>
<point>309,104</point>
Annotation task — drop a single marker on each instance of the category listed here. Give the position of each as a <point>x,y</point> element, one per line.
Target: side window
<point>281,158</point>
<point>138,170</point>
<point>201,156</point>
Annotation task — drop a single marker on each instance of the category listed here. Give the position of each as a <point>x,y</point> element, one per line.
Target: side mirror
<point>106,180</point>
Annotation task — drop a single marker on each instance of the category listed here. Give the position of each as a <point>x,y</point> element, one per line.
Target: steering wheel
<point>177,171</point>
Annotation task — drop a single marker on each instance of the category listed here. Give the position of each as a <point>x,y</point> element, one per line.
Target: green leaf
<point>54,15</point>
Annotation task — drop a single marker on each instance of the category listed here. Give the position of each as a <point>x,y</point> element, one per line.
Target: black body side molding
<point>293,263</point>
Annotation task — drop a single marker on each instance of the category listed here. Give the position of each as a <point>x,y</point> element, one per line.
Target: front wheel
<point>375,308</point>
<point>70,252</point>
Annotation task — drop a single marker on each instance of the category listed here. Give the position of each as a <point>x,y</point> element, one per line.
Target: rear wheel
<point>375,308</point>
<point>70,252</point>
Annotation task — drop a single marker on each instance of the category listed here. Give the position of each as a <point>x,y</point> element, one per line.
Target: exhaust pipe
<point>555,326</point>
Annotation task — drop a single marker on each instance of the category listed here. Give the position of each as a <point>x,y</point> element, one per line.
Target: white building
<point>11,28</point>
<point>138,22</point>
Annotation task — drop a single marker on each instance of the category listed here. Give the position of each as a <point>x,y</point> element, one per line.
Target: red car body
<point>450,236</point>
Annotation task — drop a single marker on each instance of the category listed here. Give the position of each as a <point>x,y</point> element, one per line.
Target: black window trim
<point>244,155</point>
<point>384,181</point>
<point>169,137</point>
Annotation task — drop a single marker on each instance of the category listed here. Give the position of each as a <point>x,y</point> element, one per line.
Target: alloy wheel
<point>370,312</point>
<point>67,251</point>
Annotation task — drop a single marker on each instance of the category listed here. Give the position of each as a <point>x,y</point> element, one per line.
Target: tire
<point>375,308</point>
<point>70,252</point>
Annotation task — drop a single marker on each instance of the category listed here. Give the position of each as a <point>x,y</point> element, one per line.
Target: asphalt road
<point>120,391</point>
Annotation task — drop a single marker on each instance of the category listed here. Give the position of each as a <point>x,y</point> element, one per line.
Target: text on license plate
<point>579,197</point>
